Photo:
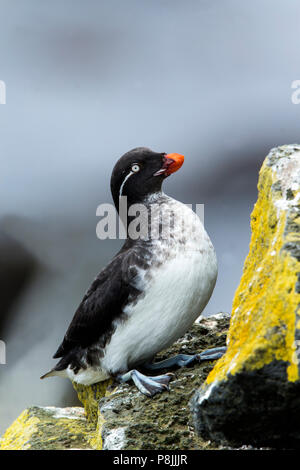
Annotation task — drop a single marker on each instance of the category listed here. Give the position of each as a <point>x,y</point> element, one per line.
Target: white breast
<point>176,293</point>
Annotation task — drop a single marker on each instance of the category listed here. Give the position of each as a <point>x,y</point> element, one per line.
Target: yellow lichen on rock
<point>49,428</point>
<point>258,376</point>
<point>264,313</point>
<point>89,395</point>
<point>97,441</point>
<point>18,435</point>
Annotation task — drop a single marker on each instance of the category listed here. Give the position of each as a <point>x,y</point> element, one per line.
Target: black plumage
<point>104,301</point>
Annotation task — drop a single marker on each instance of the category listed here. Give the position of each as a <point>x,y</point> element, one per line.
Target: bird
<point>152,290</point>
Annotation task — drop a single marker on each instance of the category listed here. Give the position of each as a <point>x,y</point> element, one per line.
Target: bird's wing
<point>103,302</point>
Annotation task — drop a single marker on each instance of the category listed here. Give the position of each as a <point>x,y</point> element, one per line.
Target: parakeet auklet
<point>150,293</point>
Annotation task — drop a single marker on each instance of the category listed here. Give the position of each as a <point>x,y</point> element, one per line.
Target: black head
<point>140,172</point>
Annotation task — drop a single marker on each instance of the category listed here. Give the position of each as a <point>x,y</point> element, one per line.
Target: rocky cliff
<point>253,393</point>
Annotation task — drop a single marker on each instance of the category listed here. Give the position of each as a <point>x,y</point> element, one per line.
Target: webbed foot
<point>147,385</point>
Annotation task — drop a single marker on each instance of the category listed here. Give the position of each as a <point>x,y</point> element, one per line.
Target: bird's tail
<point>54,371</point>
<point>58,369</point>
<point>51,373</point>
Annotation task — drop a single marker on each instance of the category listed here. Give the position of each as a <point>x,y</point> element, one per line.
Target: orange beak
<point>172,162</point>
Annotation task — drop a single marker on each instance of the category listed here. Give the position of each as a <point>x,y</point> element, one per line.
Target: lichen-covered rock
<point>90,396</point>
<point>120,417</point>
<point>49,428</point>
<point>252,396</point>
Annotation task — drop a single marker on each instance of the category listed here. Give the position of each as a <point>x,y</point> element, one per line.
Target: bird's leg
<point>183,360</point>
<point>151,385</point>
<point>147,385</point>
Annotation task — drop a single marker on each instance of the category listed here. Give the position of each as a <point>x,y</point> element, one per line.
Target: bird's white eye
<point>135,168</point>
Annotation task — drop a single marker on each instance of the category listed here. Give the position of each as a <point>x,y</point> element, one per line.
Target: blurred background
<point>87,81</point>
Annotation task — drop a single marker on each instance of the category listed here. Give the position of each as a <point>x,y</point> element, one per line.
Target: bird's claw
<point>149,386</point>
